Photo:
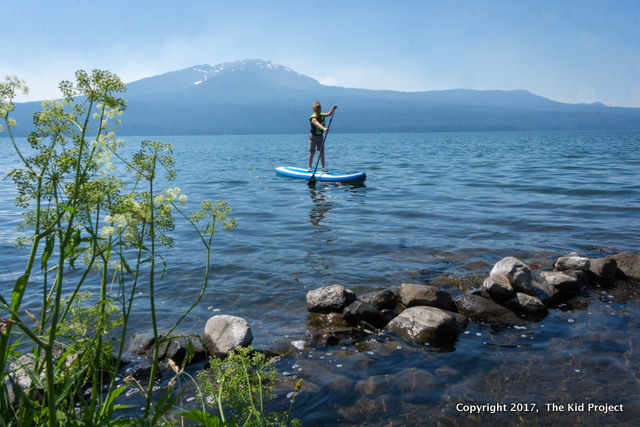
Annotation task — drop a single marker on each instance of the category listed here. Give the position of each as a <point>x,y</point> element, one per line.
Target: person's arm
<point>330,113</point>
<point>318,124</point>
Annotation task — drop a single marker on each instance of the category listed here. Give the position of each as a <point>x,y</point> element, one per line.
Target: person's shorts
<point>315,142</point>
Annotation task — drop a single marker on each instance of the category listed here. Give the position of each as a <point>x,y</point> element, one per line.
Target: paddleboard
<point>302,173</point>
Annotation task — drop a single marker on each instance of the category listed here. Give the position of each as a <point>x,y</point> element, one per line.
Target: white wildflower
<point>182,199</point>
<point>107,231</point>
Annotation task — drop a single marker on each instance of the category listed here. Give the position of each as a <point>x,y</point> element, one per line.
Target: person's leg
<point>322,160</point>
<point>311,153</point>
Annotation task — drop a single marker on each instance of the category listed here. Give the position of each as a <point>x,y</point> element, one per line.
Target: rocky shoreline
<point>513,294</point>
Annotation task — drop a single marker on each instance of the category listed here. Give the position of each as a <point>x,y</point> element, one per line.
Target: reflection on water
<point>321,205</point>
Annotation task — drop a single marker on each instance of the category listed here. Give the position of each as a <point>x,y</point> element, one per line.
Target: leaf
<point>48,250</point>
<point>202,417</point>
<point>10,174</point>
<point>18,292</point>
<point>109,406</point>
<point>163,405</point>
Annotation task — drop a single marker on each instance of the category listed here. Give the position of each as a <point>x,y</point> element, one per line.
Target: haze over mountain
<point>260,97</point>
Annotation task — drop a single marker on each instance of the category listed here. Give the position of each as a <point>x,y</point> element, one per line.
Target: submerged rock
<point>421,324</point>
<point>327,299</point>
<point>224,333</point>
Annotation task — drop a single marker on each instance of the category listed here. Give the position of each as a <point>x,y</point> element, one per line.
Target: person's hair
<point>316,105</point>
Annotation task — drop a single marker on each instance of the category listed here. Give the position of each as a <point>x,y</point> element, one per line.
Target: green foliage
<point>76,210</point>
<point>87,332</point>
<point>244,380</point>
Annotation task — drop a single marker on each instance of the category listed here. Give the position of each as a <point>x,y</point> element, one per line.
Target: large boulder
<point>628,264</point>
<point>412,295</point>
<point>327,299</point>
<point>224,333</point>
<point>484,310</point>
<point>517,273</point>
<point>422,323</point>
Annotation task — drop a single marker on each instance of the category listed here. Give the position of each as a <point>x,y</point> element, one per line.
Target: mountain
<point>260,97</point>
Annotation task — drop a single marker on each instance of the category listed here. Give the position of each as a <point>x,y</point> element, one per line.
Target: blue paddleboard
<point>302,173</point>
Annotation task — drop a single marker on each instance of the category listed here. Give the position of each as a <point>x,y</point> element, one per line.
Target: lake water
<point>436,209</point>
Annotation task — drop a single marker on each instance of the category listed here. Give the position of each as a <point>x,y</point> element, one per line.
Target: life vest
<point>315,130</point>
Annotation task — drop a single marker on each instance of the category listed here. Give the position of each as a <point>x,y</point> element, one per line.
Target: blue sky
<point>569,51</point>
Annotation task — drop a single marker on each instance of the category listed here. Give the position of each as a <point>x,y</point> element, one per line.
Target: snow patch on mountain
<point>204,72</point>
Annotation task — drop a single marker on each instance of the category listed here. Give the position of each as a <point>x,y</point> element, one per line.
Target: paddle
<point>312,180</point>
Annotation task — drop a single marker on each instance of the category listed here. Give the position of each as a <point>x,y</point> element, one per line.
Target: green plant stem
<point>154,323</point>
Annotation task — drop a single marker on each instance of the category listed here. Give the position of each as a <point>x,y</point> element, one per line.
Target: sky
<point>575,51</point>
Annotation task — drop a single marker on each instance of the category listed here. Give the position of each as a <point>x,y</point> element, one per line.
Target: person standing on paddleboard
<point>317,130</point>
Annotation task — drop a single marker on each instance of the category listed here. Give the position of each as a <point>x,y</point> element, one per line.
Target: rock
<point>628,264</point>
<point>480,292</point>
<point>328,299</point>
<point>581,277</point>
<point>517,273</point>
<point>526,304</point>
<point>141,343</point>
<point>412,295</point>
<point>298,344</point>
<point>572,261</point>
<point>178,349</point>
<point>563,282</point>
<point>484,310</point>
<point>414,383</point>
<point>377,384</point>
<point>421,323</point>
<point>498,287</point>
<point>548,294</point>
<point>381,300</point>
<point>325,338</point>
<point>338,386</point>
<point>324,320</point>
<point>604,269</point>
<point>387,315</point>
<point>359,311</point>
<point>448,374</point>
<point>224,333</point>
<point>141,371</point>
<point>20,371</point>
